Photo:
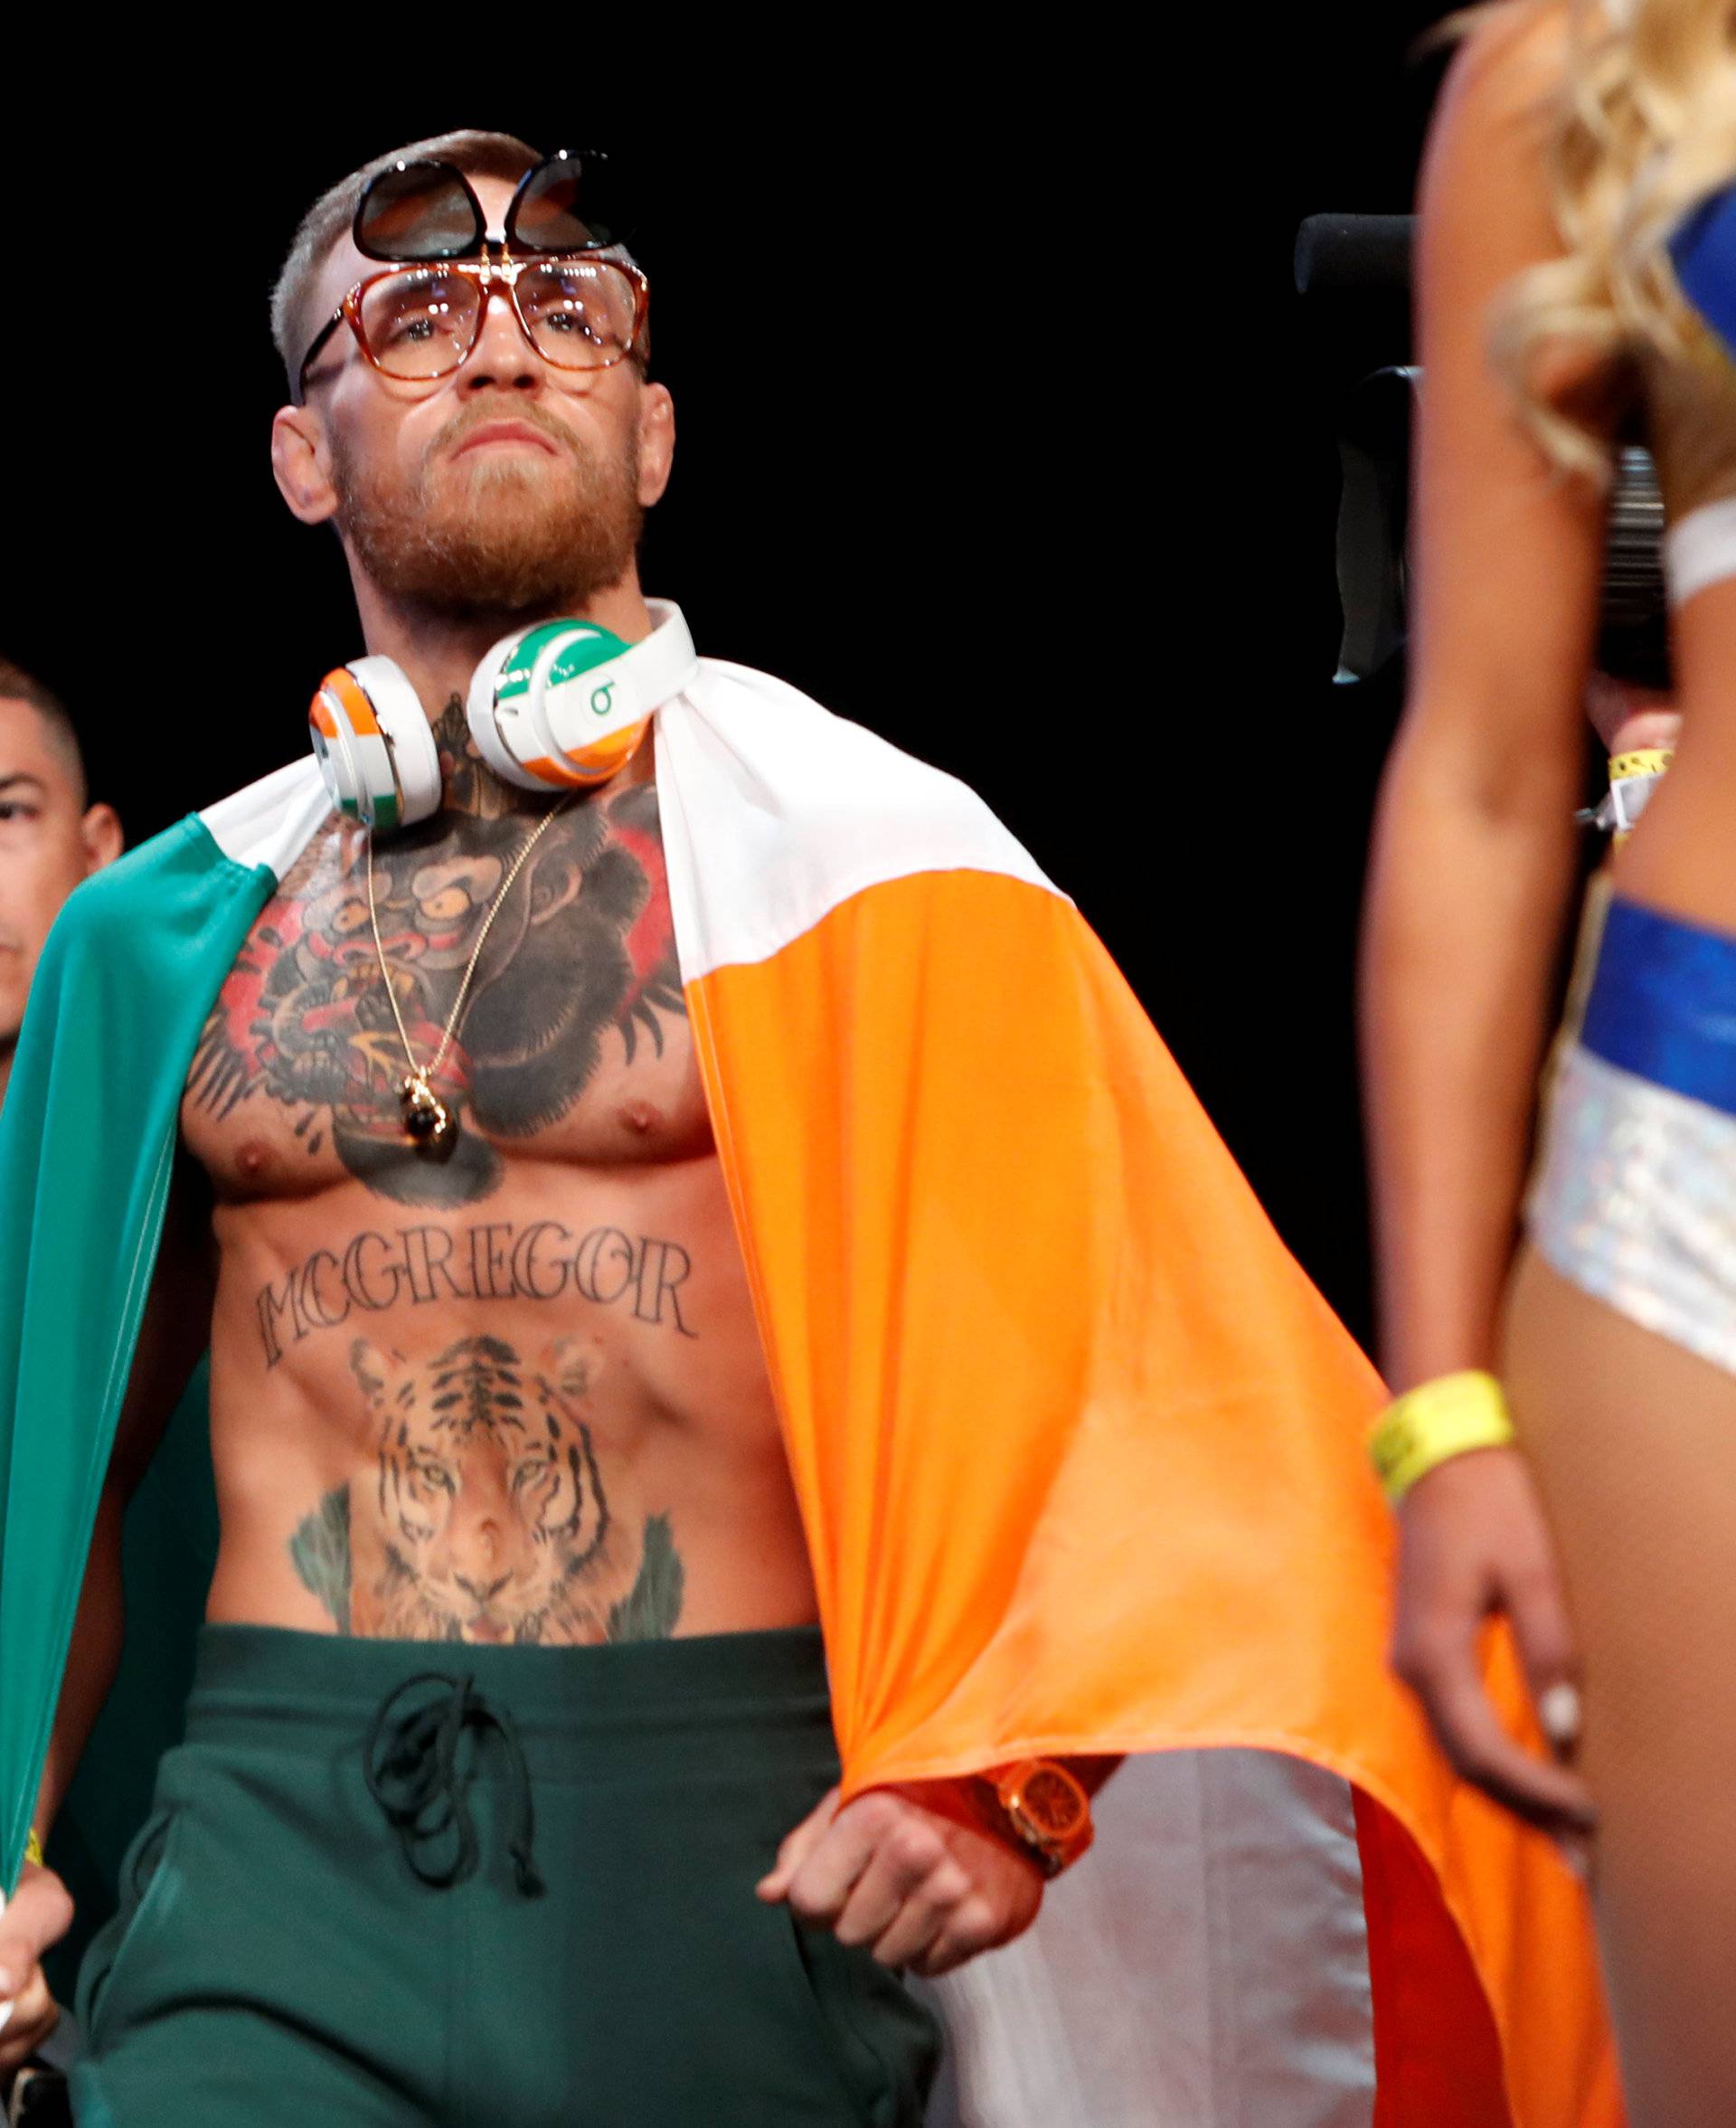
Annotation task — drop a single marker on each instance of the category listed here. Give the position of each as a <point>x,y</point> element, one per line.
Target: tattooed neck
<point>468,784</point>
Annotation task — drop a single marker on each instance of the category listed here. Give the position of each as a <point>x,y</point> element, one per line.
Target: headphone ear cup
<point>374,745</point>
<point>524,707</point>
<point>483,710</point>
<point>587,704</point>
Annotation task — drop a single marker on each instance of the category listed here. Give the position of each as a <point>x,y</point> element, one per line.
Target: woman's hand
<point>38,1914</point>
<point>1474,1546</point>
<point>1627,716</point>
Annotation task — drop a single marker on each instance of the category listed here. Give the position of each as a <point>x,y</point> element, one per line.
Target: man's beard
<point>493,535</point>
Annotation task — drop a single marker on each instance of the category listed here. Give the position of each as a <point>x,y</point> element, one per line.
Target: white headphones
<point>554,707</point>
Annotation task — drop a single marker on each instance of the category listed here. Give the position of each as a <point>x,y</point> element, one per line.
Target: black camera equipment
<point>1371,254</point>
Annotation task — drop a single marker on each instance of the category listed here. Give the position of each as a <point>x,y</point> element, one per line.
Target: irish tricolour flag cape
<point>1078,1446</point>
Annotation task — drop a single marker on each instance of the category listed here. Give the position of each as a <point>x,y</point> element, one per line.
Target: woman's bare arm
<point>1473,873</point>
<point>1474,857</point>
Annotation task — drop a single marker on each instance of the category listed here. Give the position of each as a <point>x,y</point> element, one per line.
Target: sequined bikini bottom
<point>1634,1197</point>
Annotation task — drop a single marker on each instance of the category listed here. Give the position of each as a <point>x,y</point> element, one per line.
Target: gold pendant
<point>426,1118</point>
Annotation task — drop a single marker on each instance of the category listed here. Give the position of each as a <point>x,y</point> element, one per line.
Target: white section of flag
<point>272,821</point>
<point>774,811</point>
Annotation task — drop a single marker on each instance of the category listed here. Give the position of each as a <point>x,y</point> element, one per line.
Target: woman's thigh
<point>1633,1441</point>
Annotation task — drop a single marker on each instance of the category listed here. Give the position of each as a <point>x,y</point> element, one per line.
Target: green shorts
<point>385,1884</point>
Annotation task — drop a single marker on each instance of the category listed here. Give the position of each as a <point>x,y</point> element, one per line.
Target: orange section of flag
<point>1079,1447</point>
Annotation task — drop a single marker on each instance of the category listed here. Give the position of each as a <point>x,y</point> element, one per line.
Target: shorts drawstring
<point>415,1778</point>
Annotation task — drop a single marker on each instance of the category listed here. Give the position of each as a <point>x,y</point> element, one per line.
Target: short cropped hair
<point>18,686</point>
<point>477,155</point>
<point>327,220</point>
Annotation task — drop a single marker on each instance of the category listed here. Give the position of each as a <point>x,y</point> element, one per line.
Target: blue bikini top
<point>1690,405</point>
<point>1703,249</point>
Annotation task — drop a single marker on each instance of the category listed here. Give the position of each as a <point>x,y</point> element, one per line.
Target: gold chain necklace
<point>426,1118</point>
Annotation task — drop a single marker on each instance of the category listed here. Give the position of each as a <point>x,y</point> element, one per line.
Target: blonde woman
<point>1573,144</point>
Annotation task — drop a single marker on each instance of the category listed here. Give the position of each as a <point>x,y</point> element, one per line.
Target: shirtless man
<point>512,1399</point>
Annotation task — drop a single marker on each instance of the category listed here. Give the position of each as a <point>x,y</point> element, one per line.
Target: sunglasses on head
<point>426,210</point>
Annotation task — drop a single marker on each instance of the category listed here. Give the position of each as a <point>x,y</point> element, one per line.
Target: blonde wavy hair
<point>1642,128</point>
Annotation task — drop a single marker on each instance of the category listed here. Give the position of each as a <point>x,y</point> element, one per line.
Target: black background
<point>1063,526</point>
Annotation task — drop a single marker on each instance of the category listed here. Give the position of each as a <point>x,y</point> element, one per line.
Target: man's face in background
<point>49,841</point>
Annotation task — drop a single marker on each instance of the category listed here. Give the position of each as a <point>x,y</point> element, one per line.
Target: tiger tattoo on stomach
<point>485,1516</point>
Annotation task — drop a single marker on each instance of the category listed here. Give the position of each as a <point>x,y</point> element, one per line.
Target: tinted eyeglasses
<point>579,302</point>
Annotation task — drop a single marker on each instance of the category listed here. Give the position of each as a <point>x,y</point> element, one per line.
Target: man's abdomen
<point>541,1420</point>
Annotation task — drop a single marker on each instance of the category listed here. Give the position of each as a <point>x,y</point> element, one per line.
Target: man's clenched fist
<point>920,1887</point>
<point>37,1915</point>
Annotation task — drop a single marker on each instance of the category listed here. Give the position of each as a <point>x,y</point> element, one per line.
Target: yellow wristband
<point>1435,1422</point>
<point>1631,776</point>
<point>34,1848</point>
<point>1640,760</point>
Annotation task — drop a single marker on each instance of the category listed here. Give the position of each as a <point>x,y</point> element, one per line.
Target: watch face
<point>1053,1801</point>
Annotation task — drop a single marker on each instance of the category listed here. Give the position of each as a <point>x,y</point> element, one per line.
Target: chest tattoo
<point>580,955</point>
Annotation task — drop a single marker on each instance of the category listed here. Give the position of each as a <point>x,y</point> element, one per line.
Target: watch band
<point>1045,1807</point>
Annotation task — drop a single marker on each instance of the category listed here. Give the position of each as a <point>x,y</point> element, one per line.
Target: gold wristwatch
<point>1043,1806</point>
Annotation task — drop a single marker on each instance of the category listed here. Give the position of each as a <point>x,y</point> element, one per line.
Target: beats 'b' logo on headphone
<point>558,707</point>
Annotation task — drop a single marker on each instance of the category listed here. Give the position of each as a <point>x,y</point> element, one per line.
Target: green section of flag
<point>87,1147</point>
